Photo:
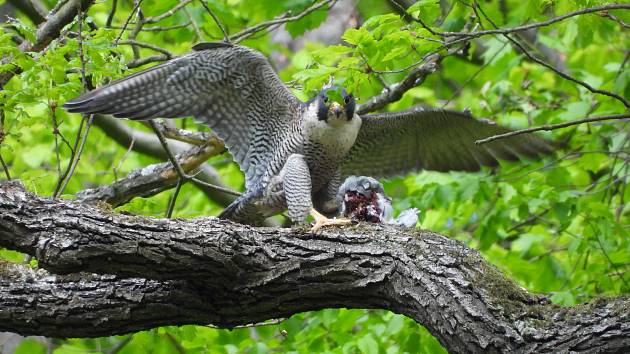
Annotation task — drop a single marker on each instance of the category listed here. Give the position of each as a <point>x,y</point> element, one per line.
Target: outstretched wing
<point>231,88</point>
<point>432,139</point>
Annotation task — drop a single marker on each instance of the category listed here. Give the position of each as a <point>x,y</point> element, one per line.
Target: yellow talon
<point>321,221</point>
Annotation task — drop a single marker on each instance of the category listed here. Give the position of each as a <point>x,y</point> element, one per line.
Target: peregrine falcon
<point>295,154</point>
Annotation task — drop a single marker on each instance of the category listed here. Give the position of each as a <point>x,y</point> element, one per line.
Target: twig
<point>192,22</point>
<point>548,127</point>
<point>146,60</point>
<point>473,76</point>
<point>178,167</point>
<point>123,158</point>
<point>124,27</point>
<point>134,33</point>
<point>76,151</point>
<point>56,134</point>
<point>278,20</point>
<point>5,167</point>
<point>622,193</point>
<point>176,344</point>
<point>171,202</point>
<point>112,12</point>
<point>77,156</point>
<point>613,265</point>
<point>395,92</point>
<point>134,42</point>
<point>471,35</point>
<point>194,138</point>
<point>552,68</point>
<point>115,349</point>
<point>402,9</point>
<point>616,19</point>
<point>158,28</point>
<point>168,13</point>
<point>226,37</point>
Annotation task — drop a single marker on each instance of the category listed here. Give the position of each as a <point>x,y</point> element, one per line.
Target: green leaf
<point>367,345</point>
<point>30,346</point>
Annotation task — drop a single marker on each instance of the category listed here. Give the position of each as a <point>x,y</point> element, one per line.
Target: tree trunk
<point>127,273</point>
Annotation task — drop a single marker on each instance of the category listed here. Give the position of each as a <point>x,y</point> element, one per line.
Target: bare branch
<point>168,13</point>
<point>146,143</point>
<point>112,12</point>
<point>180,171</point>
<point>548,127</point>
<point>186,136</point>
<point>226,37</point>
<point>5,168</point>
<point>158,28</point>
<point>286,17</point>
<point>76,151</point>
<point>470,35</point>
<point>149,180</point>
<point>560,73</point>
<point>147,60</point>
<point>134,42</point>
<point>395,92</point>
<point>124,26</point>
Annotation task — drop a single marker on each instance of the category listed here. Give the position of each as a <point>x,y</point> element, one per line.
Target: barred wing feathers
<point>232,89</point>
<point>397,143</point>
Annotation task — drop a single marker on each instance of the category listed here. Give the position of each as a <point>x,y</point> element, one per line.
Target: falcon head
<point>334,105</point>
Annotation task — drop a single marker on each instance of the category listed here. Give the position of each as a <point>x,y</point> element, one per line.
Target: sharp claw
<point>321,221</point>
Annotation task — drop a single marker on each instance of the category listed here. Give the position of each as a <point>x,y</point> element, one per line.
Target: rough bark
<point>145,272</point>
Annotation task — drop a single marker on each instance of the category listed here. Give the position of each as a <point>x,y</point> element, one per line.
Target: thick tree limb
<point>217,272</point>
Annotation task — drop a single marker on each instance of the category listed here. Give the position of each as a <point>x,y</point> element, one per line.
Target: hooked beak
<point>336,109</point>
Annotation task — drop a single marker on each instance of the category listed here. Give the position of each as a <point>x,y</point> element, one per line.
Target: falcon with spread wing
<point>295,155</point>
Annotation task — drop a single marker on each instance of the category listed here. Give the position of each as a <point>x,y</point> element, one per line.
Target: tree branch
<point>147,181</point>
<point>286,17</point>
<point>548,127</point>
<point>395,92</point>
<point>148,144</point>
<point>216,272</point>
<point>470,35</point>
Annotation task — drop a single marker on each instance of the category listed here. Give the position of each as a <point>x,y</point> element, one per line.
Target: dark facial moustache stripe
<point>322,110</point>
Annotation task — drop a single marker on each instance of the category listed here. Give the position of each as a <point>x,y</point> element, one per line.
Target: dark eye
<point>347,99</point>
<point>325,99</point>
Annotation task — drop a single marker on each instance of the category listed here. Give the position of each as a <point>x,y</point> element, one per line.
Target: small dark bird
<point>294,155</point>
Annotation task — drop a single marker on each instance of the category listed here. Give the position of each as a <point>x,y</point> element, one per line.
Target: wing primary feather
<point>441,140</point>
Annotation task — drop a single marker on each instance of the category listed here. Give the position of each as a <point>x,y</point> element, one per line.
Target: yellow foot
<point>321,221</point>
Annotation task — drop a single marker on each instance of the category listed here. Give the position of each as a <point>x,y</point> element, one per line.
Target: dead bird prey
<point>294,155</point>
<point>363,199</point>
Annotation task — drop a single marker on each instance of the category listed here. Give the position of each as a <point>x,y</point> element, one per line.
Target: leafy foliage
<point>560,226</point>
